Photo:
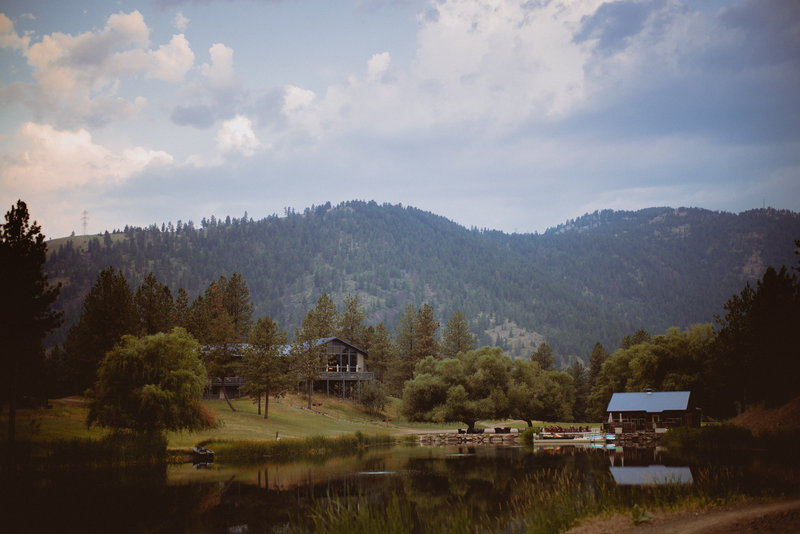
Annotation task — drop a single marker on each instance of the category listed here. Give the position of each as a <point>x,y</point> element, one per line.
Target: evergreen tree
<point>108,313</point>
<point>544,357</point>
<point>757,356</point>
<point>640,336</point>
<point>580,383</point>
<point>380,351</point>
<point>181,309</point>
<point>321,321</point>
<point>351,322</point>
<point>216,331</point>
<point>457,336</point>
<point>402,361</point>
<point>154,305</point>
<point>238,304</point>
<point>307,353</point>
<point>596,360</point>
<point>427,327</point>
<point>264,365</point>
<point>26,298</point>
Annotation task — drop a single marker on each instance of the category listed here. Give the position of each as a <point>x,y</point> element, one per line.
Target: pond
<point>402,488</point>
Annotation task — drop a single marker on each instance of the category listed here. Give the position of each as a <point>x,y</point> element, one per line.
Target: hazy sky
<point>496,114</point>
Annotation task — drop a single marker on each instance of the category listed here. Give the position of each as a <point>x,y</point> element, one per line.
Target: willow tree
<point>151,384</point>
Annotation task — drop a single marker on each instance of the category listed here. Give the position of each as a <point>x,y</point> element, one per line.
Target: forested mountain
<point>596,278</point>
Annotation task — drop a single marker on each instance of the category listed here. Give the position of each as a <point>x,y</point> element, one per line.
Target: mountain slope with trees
<point>596,278</point>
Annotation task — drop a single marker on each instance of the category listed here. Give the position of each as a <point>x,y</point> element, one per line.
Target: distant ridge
<point>595,278</point>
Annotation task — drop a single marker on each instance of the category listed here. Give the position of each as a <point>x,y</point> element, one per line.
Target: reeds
<point>550,500</point>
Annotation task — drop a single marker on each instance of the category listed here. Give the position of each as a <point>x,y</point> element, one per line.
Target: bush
<point>373,396</point>
<point>527,436</point>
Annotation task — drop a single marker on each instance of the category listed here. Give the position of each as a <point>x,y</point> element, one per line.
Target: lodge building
<point>341,376</point>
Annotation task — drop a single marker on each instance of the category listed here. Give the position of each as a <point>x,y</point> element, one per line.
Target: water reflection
<point>486,481</point>
<point>651,474</point>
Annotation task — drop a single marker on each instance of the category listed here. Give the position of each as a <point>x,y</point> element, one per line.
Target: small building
<point>346,368</point>
<point>651,411</point>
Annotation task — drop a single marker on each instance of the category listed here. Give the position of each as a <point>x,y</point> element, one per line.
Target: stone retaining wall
<point>450,438</point>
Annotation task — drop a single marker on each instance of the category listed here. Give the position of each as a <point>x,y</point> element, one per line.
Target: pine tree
<point>238,304</point>
<point>544,357</point>
<point>351,322</point>
<point>457,336</point>
<point>108,313</point>
<point>155,306</point>
<point>264,365</point>
<point>216,331</point>
<point>26,298</point>
<point>307,353</point>
<point>380,351</point>
<point>427,326</point>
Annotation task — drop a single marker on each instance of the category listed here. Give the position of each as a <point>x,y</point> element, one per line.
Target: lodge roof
<point>649,401</point>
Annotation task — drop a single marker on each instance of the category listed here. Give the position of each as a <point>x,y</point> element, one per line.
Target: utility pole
<point>85,218</point>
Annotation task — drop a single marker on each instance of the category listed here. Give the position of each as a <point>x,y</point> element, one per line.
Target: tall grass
<point>550,500</point>
<point>116,448</point>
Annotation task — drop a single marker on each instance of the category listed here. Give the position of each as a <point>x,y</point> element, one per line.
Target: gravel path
<point>775,517</point>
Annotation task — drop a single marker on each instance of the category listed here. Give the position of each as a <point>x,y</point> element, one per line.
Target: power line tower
<point>85,219</point>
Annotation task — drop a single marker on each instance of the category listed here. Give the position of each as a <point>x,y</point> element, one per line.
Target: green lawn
<point>288,418</point>
<point>66,419</point>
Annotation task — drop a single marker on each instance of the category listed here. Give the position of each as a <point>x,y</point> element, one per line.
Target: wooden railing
<point>346,376</point>
<point>229,381</point>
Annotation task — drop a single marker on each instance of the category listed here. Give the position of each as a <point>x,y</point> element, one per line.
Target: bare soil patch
<point>779,418</point>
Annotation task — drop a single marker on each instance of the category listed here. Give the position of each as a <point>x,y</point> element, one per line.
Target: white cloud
<point>180,22</point>
<point>295,98</point>
<point>52,160</point>
<point>220,74</point>
<point>9,37</point>
<point>172,61</point>
<point>237,136</point>
<point>489,65</point>
<point>79,76</point>
<point>377,65</point>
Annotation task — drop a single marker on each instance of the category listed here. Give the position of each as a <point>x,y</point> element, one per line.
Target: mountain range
<point>595,278</point>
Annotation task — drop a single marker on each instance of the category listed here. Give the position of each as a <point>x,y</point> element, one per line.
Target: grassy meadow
<point>65,419</point>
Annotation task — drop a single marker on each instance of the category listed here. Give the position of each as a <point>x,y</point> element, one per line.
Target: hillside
<point>596,278</point>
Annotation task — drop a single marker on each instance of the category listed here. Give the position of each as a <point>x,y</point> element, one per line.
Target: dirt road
<point>775,517</point>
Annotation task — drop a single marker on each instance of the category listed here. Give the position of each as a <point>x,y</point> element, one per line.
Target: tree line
<point>751,356</point>
<point>596,279</point>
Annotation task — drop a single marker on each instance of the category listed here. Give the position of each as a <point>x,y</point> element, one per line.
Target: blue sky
<point>496,114</point>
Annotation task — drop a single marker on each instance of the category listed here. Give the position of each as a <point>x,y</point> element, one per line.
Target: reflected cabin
<point>341,376</point>
<point>651,411</point>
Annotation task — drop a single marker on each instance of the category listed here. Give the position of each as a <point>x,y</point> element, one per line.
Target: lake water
<point>500,488</point>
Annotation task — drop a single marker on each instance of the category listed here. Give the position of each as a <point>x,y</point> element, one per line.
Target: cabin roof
<point>326,340</point>
<point>649,401</point>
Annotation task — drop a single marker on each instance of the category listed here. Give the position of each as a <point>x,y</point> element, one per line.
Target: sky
<point>498,114</point>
